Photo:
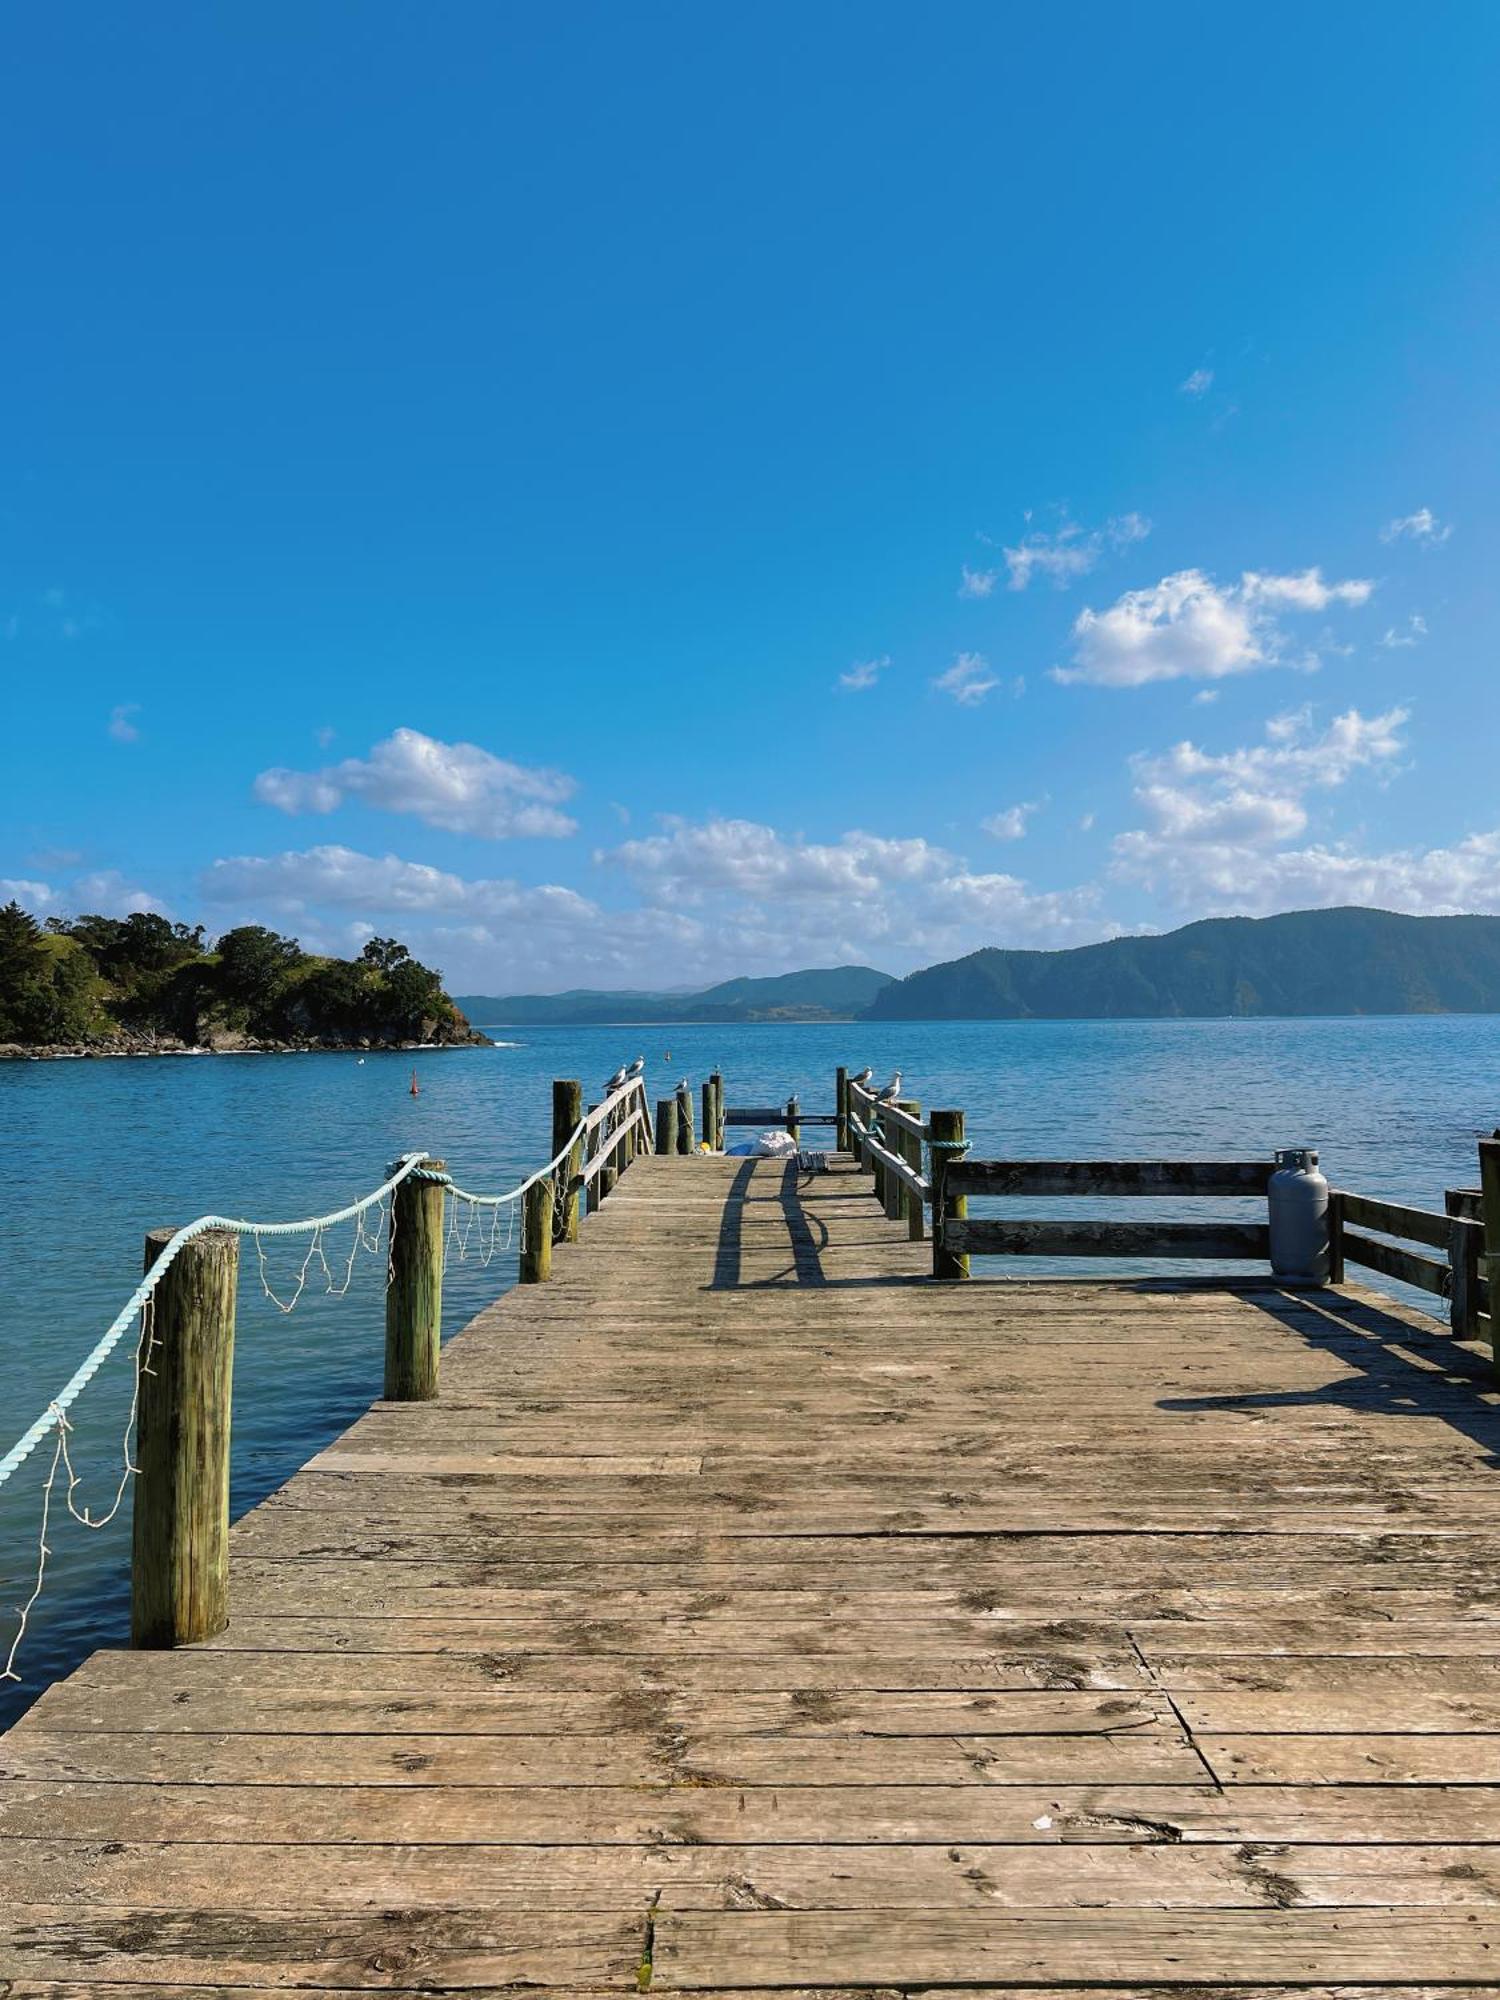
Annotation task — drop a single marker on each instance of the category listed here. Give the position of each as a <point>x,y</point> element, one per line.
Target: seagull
<point>637,1068</point>
<point>863,1079</point>
<point>892,1090</point>
<point>614,1083</point>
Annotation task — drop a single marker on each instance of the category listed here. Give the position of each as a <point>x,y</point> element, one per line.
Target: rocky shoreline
<point>225,1045</point>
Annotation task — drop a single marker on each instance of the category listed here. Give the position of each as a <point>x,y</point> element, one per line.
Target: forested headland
<point>96,984</point>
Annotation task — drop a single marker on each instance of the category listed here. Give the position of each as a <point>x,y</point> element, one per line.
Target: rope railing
<point>607,1132</point>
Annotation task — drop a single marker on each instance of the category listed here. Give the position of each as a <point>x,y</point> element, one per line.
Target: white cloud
<point>1218,823</point>
<point>1197,384</point>
<point>108,893</point>
<point>38,897</point>
<point>968,680</point>
<point>864,674</point>
<point>1227,879</point>
<point>1011,823</point>
<point>1070,551</point>
<point>1423,526</point>
<point>121,728</point>
<point>1189,627</point>
<point>342,878</point>
<point>1412,633</point>
<point>455,786</point>
<point>977,582</point>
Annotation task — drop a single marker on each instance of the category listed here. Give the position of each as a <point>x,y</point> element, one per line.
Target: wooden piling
<point>536,1232</point>
<point>684,1119</point>
<point>912,1152</point>
<point>567,1112</point>
<point>841,1109</point>
<point>945,1132</point>
<point>1335,1236</point>
<point>794,1120</point>
<point>895,1193</point>
<point>1489,1209</point>
<point>593,1194</point>
<point>414,1293</point>
<point>666,1124</point>
<point>180,1531</point>
<point>707,1094</point>
<point>718,1111</point>
<point>1463,1263</point>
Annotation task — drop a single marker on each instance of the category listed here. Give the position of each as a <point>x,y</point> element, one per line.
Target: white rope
<point>89,1367</point>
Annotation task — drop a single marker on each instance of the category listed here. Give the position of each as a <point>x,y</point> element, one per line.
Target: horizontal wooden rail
<point>991,1237</point>
<point>1465,1204</point>
<point>868,1104</point>
<point>893,1163</point>
<point>1429,1274</point>
<point>1393,1218</point>
<point>742,1115</point>
<point>601,1159</point>
<point>1111,1177</point>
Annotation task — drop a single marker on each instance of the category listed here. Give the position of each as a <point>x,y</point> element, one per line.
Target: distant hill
<point>828,993</point>
<point>1348,961</point>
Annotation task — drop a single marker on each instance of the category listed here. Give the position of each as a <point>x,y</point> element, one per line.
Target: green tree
<point>253,966</point>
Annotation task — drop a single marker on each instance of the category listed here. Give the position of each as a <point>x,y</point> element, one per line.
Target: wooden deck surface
<point>750,1613</point>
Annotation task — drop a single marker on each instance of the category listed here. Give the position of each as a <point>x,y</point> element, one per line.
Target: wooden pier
<point>751,1611</point>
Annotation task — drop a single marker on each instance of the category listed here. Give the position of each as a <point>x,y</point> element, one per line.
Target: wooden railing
<point>1457,1275</point>
<point>889,1138</point>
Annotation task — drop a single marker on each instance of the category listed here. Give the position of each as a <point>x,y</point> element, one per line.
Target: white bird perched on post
<point>637,1068</point>
<point>892,1090</point>
<point>615,1082</point>
<point>863,1079</point>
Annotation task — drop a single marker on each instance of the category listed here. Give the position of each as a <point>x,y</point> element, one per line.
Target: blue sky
<point>630,496</point>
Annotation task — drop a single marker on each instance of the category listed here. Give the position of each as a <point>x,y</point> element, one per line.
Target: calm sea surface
<point>100,1151</point>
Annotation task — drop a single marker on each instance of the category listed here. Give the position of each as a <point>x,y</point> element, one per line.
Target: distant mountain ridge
<point>826,993</point>
<point>1342,961</point>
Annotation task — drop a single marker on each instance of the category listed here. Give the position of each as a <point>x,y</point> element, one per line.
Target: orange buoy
<point>416,1088</point>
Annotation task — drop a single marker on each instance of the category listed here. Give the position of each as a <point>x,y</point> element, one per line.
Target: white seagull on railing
<point>636,1069</point>
<point>863,1079</point>
<point>892,1090</point>
<point>615,1082</point>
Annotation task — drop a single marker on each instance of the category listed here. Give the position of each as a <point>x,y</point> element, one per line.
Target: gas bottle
<point>1297,1195</point>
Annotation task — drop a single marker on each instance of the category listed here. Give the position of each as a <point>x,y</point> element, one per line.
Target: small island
<point>142,985</point>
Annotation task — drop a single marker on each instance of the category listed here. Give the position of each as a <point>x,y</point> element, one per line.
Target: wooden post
<point>536,1232</point>
<point>841,1109</point>
<point>895,1193</point>
<point>1489,1208</point>
<point>666,1124</point>
<point>945,1133</point>
<point>915,1216</point>
<point>851,1111</point>
<point>414,1295</point>
<point>1463,1262</point>
<point>708,1110</point>
<point>567,1110</point>
<point>872,1119</point>
<point>718,1111</point>
<point>180,1558</point>
<point>593,1193</point>
<point>684,1119</point>
<point>794,1120</point>
<point>1335,1236</point>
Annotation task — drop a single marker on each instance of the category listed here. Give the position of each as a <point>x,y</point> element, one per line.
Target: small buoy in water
<point>416,1088</point>
<point>668,1056</point>
<point>360,1064</point>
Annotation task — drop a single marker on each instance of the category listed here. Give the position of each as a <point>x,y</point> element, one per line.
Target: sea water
<point>98,1151</point>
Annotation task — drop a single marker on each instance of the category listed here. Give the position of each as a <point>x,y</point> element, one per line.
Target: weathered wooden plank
<point>1111,1177</point>
<point>989,1236</point>
<point>694,1950</point>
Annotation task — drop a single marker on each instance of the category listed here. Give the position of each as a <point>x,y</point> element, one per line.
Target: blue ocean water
<point>100,1151</point>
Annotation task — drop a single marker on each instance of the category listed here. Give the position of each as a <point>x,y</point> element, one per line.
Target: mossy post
<point>718,1084</point>
<point>536,1232</point>
<point>684,1119</point>
<point>709,1120</point>
<point>594,1193</point>
<point>414,1293</point>
<point>794,1120</point>
<point>841,1109</point>
<point>666,1124</point>
<point>945,1133</point>
<point>567,1112</point>
<point>894,1136</point>
<point>911,1151</point>
<point>180,1556</point>
<point>1489,1200</point>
